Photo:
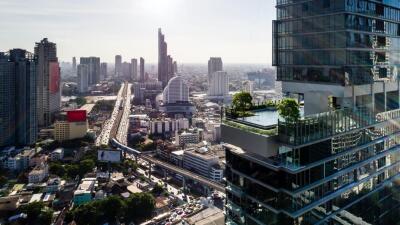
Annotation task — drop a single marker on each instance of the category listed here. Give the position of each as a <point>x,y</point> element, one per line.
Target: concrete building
<point>72,128</point>
<point>338,163</point>
<point>176,98</point>
<point>118,66</point>
<point>38,174</point>
<point>142,71</point>
<point>18,110</point>
<point>191,136</point>
<point>83,78</point>
<point>48,92</point>
<point>166,65</point>
<point>203,162</point>
<point>214,65</point>
<point>93,64</point>
<point>103,71</point>
<point>146,90</point>
<point>74,64</point>
<point>57,154</point>
<point>126,70</point>
<point>218,85</point>
<point>134,65</point>
<point>166,126</point>
<point>83,193</point>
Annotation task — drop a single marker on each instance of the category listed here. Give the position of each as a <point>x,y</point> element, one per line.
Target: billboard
<point>76,116</point>
<point>109,156</point>
<point>54,77</point>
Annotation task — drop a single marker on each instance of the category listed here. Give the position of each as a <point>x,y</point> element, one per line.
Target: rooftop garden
<point>267,132</point>
<point>243,106</point>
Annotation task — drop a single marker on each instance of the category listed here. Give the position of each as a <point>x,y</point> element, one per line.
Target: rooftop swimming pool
<point>265,117</point>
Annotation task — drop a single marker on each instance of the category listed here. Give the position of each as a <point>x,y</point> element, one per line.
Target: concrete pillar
<point>183,184</point>
<point>385,94</point>
<point>165,175</point>
<point>149,170</point>
<point>373,97</point>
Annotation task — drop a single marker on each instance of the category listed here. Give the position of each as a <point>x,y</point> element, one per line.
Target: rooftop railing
<point>327,124</point>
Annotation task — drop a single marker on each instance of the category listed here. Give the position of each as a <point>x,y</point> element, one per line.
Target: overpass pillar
<point>149,170</point>
<point>184,184</point>
<point>165,175</point>
<point>136,159</point>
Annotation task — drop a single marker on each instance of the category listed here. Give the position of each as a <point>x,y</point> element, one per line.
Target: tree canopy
<point>242,101</point>
<point>289,110</point>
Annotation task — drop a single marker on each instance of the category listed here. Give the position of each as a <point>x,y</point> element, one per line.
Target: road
<point>104,136</point>
<point>124,122</point>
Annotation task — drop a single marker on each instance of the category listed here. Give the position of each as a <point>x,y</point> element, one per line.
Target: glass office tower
<point>340,162</point>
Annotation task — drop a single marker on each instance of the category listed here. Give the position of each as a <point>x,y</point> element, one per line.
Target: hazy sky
<point>237,30</point>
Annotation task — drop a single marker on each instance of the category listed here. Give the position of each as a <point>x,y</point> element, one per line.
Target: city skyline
<point>226,28</point>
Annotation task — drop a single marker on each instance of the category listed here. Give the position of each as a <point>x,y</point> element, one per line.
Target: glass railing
<point>324,125</point>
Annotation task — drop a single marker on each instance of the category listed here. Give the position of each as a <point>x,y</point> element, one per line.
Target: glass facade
<point>342,165</point>
<point>341,42</point>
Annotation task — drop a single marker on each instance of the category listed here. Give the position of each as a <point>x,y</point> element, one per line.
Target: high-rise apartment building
<point>166,65</point>
<point>48,82</point>
<point>214,65</point>
<point>118,65</point>
<point>74,64</point>
<point>134,65</point>
<point>142,72</point>
<point>83,78</point>
<point>103,71</point>
<point>339,162</point>
<point>93,64</point>
<point>18,118</point>
<point>126,70</point>
<point>219,84</point>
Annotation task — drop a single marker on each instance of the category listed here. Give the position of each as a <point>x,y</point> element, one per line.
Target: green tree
<point>289,110</point>
<point>157,190</point>
<point>37,213</point>
<point>114,207</point>
<point>57,169</point>
<point>72,170</point>
<point>139,206</point>
<point>242,101</point>
<point>87,214</point>
<point>3,180</point>
<point>86,166</point>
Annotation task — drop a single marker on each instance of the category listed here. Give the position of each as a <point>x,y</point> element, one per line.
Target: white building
<point>193,136</point>
<point>203,162</point>
<point>57,154</point>
<point>214,65</point>
<point>162,126</point>
<point>83,78</point>
<point>176,91</point>
<point>218,85</point>
<point>248,86</point>
<point>38,174</point>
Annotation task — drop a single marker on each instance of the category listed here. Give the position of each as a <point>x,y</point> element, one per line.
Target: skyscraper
<point>166,68</point>
<point>126,70</point>
<point>338,162</point>
<point>118,65</point>
<point>74,64</point>
<point>134,65</point>
<point>219,85</point>
<point>214,65</point>
<point>83,78</point>
<point>142,78</point>
<point>103,71</point>
<point>94,68</point>
<point>176,91</point>
<point>18,119</point>
<point>48,82</point>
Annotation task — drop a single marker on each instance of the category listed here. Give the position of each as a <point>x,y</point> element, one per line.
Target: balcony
<point>328,124</point>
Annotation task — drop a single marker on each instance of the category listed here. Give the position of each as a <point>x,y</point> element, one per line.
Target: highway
<point>108,126</point>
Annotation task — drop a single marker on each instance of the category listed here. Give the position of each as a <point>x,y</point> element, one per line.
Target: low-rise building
<point>38,174</point>
<point>83,193</point>
<point>204,162</point>
<point>75,126</point>
<point>167,125</point>
<point>57,154</point>
<point>191,136</point>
